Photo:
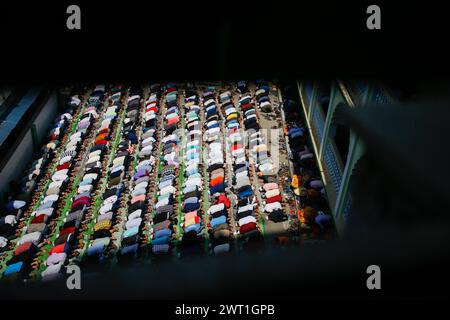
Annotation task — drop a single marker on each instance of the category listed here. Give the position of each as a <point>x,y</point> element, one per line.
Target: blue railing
<point>318,122</point>
<point>333,167</point>
<point>379,96</point>
<point>347,208</point>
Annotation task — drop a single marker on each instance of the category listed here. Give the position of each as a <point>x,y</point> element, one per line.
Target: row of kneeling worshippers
<point>306,182</point>
<point>247,107</point>
<point>38,230</point>
<point>164,217</point>
<point>266,170</point>
<point>219,227</point>
<point>143,180</point>
<point>262,98</point>
<point>193,184</point>
<point>105,227</point>
<point>230,112</point>
<point>242,186</point>
<point>23,194</point>
<point>66,238</point>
